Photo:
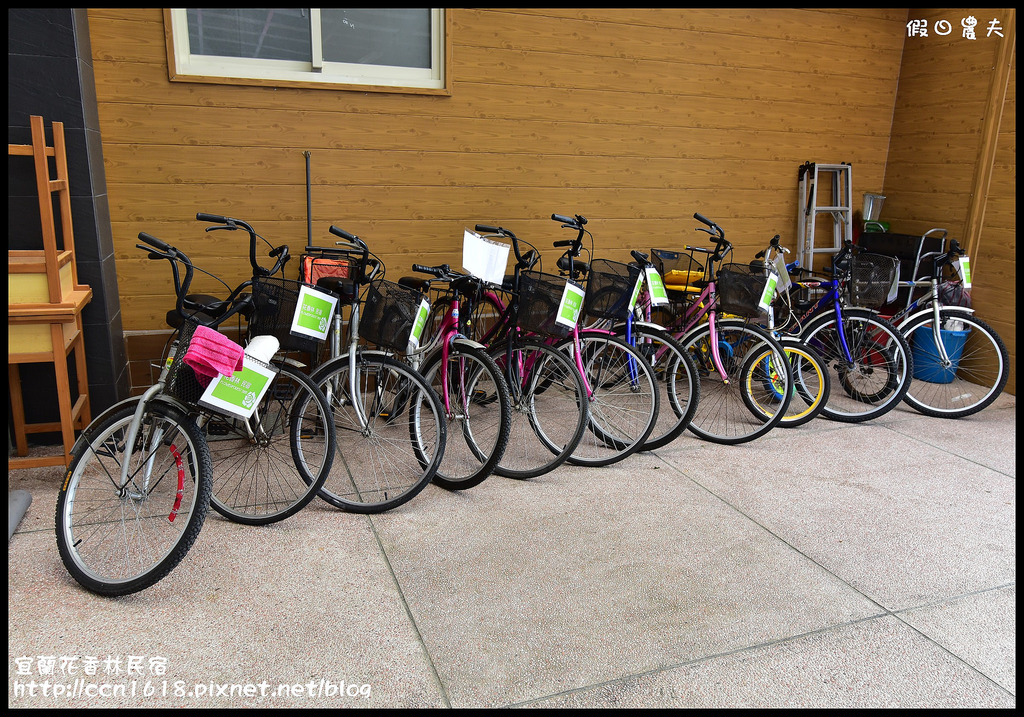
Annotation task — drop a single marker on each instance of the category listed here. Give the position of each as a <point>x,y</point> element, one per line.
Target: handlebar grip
<point>216,218</point>
<point>154,242</point>
<point>423,269</point>
<point>638,255</point>
<point>759,255</point>
<point>563,219</point>
<point>704,220</point>
<point>563,243</point>
<point>343,234</point>
<point>488,229</point>
<point>283,249</point>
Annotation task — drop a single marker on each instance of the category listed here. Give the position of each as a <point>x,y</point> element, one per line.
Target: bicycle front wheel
<point>267,468</point>
<point>549,408</point>
<point>755,392</point>
<point>478,410</point>
<point>811,385</point>
<point>118,539</point>
<point>974,372</point>
<point>877,375</point>
<point>623,397</point>
<point>391,432</point>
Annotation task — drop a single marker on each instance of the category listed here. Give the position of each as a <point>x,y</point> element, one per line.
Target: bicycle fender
<point>928,311</point>
<point>469,343</point>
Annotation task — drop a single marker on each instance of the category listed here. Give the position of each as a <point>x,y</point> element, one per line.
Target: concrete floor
<point>831,565</point>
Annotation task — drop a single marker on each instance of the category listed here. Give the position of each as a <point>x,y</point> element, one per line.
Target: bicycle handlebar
<point>231,224</point>
<point>523,261</point>
<point>181,286</point>
<point>722,247</point>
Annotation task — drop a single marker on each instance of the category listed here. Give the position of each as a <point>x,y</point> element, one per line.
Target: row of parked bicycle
<point>362,390</point>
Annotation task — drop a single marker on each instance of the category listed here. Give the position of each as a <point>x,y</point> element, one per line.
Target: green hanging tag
<point>656,287</point>
<point>769,290</point>
<point>313,312</point>
<point>636,293</point>
<point>418,325</point>
<point>964,268</point>
<point>238,394</point>
<point>571,305</point>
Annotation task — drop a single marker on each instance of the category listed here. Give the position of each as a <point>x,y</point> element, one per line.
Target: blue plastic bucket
<point>927,364</point>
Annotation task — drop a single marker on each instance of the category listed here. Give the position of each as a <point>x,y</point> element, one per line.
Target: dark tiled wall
<point>50,73</point>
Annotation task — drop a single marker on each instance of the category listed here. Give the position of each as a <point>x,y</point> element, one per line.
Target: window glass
<point>262,33</point>
<point>380,36</point>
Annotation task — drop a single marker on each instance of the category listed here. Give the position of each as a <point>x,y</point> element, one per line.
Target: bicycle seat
<point>580,266</point>
<point>342,286</point>
<point>414,282</point>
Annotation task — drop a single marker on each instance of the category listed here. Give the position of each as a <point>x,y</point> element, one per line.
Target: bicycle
<point>960,362</point>
<point>619,382</point>
<point>140,482</point>
<point>867,357</point>
<point>550,411</point>
<point>390,424</point>
<point>612,303</point>
<point>746,384</point>
<point>811,384</point>
<point>261,476</point>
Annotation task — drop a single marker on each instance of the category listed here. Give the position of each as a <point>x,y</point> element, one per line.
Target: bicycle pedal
<point>482,398</point>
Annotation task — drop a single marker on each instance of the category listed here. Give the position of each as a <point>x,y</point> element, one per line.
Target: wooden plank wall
<point>950,87</point>
<point>635,118</point>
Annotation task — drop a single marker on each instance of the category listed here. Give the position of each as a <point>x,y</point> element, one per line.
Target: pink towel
<point>210,353</point>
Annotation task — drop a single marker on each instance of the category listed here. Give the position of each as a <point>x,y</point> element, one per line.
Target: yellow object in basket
<point>683,280</point>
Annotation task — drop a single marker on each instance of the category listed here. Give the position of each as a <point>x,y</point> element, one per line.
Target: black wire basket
<point>739,289</point>
<point>610,286</point>
<point>676,267</point>
<point>871,279</point>
<point>539,297</point>
<point>181,382</point>
<point>274,303</point>
<point>388,314</point>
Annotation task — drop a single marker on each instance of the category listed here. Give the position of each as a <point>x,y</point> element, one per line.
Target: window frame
<point>182,67</point>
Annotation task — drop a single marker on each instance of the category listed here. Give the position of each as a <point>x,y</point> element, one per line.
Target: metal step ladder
<point>824,189</point>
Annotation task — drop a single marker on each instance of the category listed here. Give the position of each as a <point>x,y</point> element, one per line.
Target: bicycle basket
<point>388,314</point>
<point>871,278</point>
<point>610,286</point>
<point>314,266</point>
<point>677,269</point>
<point>181,382</point>
<point>539,297</point>
<point>739,290</point>
<point>274,303</point>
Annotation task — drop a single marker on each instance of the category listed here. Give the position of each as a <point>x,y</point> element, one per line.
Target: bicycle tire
<point>624,398</point>
<point>269,467</point>
<point>549,408</point>
<point>882,368</point>
<point>811,385</point>
<point>727,412</point>
<point>114,542</point>
<point>478,412</point>
<point>982,365</point>
<point>392,459</point>
<point>677,381</point>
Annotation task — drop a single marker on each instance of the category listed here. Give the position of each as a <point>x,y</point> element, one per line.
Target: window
<point>396,49</point>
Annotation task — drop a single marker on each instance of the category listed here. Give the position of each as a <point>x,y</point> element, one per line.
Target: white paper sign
<point>656,287</point>
<point>418,324</point>
<point>313,312</point>
<point>238,394</point>
<point>769,290</point>
<point>484,258</point>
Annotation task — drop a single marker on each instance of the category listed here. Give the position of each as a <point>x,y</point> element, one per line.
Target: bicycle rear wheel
<point>116,541</point>
<point>479,414</point>
<point>877,378</point>
<point>269,467</point>
<point>678,384</point>
<point>386,458</point>
<point>755,393</point>
<point>973,382</point>
<point>549,408</point>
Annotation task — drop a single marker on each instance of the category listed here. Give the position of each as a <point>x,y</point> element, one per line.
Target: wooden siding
<point>635,118</point>
<point>952,159</point>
